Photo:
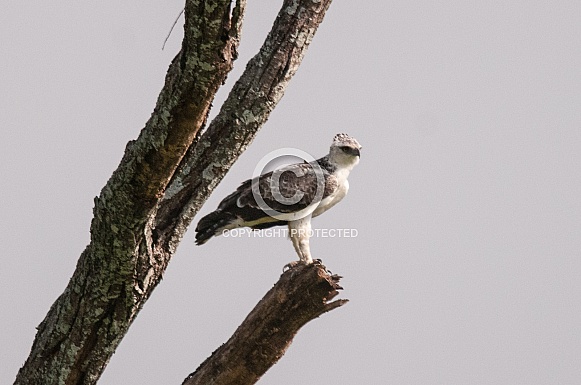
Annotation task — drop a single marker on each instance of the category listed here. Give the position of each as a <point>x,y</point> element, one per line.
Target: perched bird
<point>289,196</point>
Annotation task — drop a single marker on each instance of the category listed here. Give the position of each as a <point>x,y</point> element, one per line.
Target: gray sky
<point>467,200</point>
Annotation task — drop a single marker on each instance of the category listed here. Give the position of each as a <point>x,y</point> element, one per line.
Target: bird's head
<point>345,151</point>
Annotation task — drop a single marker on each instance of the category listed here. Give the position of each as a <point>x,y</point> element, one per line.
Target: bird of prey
<point>289,196</point>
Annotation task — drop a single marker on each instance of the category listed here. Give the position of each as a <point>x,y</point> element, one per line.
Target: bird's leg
<point>299,232</point>
<point>305,250</point>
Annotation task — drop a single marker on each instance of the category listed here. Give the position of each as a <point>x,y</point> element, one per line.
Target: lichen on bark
<point>146,206</point>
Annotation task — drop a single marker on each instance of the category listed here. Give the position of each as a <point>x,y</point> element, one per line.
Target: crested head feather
<point>344,139</point>
<point>344,152</point>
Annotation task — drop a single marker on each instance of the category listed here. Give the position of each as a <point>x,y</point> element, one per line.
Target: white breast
<point>336,197</point>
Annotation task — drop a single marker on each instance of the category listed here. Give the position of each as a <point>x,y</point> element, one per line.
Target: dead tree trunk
<point>165,176</point>
<point>301,295</point>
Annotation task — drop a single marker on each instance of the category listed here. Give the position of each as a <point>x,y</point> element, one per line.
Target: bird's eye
<point>345,149</point>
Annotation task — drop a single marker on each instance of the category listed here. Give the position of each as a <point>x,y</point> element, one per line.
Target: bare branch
<point>165,176</point>
<point>172,27</point>
<point>301,295</point>
<point>86,323</point>
<point>246,109</point>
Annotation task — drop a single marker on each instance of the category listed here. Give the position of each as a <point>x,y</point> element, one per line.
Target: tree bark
<point>301,295</point>
<point>165,176</point>
<point>247,108</point>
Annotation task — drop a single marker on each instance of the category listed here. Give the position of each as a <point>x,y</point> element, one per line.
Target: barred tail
<point>212,224</point>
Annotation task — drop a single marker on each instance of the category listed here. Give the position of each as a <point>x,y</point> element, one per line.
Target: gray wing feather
<point>299,179</point>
